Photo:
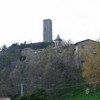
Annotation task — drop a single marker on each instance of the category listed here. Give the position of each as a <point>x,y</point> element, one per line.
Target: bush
<point>38,95</point>
<point>22,98</point>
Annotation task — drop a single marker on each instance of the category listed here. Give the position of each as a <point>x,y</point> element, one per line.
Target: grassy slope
<point>80,97</point>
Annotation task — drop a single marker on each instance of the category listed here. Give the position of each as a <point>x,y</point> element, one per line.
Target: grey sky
<point>21,20</point>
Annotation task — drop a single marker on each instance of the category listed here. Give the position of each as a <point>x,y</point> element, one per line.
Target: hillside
<point>52,69</point>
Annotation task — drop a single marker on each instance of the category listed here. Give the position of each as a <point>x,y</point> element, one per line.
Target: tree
<point>91,71</point>
<point>3,48</point>
<point>38,95</point>
<point>91,68</point>
<point>22,98</point>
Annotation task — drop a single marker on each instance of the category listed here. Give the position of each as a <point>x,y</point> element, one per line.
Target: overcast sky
<point>22,20</point>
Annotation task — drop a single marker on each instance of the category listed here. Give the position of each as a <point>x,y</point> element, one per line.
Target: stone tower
<point>47,30</point>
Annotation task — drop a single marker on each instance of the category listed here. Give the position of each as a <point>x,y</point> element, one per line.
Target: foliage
<point>53,69</point>
<point>36,95</point>
<point>35,46</point>
<point>22,98</point>
<point>91,68</point>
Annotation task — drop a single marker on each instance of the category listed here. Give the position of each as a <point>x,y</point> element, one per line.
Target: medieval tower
<point>47,30</point>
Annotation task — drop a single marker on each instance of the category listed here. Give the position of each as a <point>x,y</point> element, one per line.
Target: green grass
<point>80,96</point>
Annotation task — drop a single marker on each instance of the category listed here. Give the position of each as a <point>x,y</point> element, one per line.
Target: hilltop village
<point>49,69</point>
<point>58,44</point>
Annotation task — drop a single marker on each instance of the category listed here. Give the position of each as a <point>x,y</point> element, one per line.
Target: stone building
<point>47,30</point>
<point>58,41</point>
<point>84,45</point>
<point>83,49</point>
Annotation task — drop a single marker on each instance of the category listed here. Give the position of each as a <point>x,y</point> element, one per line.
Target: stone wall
<point>5,99</point>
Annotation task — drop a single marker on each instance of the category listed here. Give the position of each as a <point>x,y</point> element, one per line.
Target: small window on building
<point>94,51</point>
<point>82,47</point>
<point>82,61</point>
<point>22,58</point>
<point>45,28</point>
